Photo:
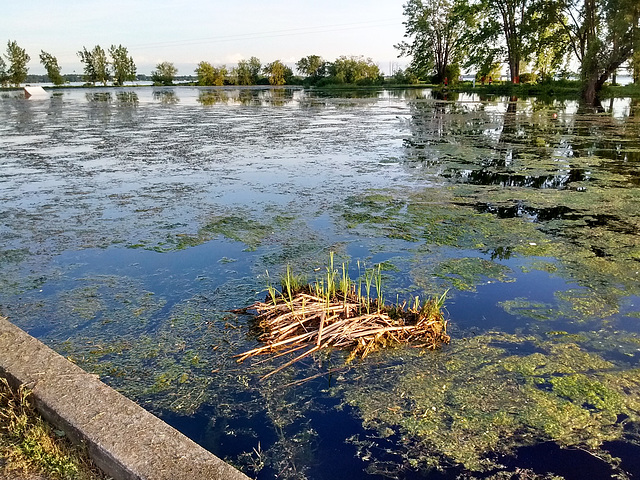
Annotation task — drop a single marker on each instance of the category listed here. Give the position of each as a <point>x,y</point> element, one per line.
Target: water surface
<point>135,219</point>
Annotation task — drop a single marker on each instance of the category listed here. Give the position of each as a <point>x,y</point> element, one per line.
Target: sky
<point>186,32</point>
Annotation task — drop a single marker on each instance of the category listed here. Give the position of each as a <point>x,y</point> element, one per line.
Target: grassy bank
<point>31,449</point>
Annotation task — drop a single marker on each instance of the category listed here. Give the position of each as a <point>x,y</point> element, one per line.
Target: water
<point>135,219</point>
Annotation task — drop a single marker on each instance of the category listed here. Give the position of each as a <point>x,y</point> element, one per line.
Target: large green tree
<point>603,34</point>
<point>18,59</point>
<point>206,73</point>
<point>247,72</point>
<point>354,69</point>
<point>312,66</point>
<point>50,63</point>
<point>277,72</point>
<point>510,30</point>
<point>436,35</point>
<point>164,73</point>
<point>96,65</point>
<point>210,75</point>
<point>124,68</point>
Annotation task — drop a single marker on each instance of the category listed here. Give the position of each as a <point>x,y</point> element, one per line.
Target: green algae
<point>236,227</point>
<point>488,395</point>
<point>466,273</point>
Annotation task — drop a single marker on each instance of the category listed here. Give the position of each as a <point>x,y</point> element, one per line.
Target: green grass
<point>29,446</point>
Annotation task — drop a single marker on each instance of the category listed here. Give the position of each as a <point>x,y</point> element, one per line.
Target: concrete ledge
<point>124,440</point>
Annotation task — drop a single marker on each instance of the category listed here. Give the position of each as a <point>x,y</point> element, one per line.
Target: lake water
<point>135,219</point>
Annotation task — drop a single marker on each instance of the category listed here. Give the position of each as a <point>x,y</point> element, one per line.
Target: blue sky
<point>187,32</point>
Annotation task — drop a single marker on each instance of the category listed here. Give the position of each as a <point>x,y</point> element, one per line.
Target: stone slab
<point>123,439</point>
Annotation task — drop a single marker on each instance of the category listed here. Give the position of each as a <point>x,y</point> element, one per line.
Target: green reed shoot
<point>368,280</point>
<point>345,283</point>
<point>378,283</point>
<point>359,285</point>
<point>271,289</point>
<point>288,282</point>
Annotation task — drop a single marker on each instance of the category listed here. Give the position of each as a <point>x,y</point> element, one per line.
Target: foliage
<point>164,73</point>
<point>18,59</point>
<point>247,72</point>
<point>549,48</point>
<point>277,72</point>
<point>405,77</point>
<point>313,66</point>
<point>50,63</point>
<point>355,70</point>
<point>4,76</point>
<point>635,66</point>
<point>96,65</point>
<point>436,32</point>
<point>124,68</point>
<point>602,35</point>
<point>29,445</point>
<point>210,75</point>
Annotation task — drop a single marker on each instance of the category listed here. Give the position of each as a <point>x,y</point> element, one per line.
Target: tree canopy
<point>277,72</point>
<point>18,59</point>
<point>50,63</point>
<point>164,73</point>
<point>96,65</point>
<point>124,68</point>
<point>435,32</point>
<point>539,35</point>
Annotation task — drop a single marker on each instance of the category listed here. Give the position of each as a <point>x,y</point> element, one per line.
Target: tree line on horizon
<point>117,66</point>
<point>538,40</point>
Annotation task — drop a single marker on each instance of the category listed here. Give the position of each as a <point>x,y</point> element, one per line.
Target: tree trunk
<point>590,90</point>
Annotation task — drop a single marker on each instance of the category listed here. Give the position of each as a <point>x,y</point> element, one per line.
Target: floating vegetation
<point>336,312</point>
<point>489,395</point>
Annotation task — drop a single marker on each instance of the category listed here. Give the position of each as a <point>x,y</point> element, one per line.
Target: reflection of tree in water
<point>127,98</point>
<point>166,97</point>
<point>99,105</point>
<point>212,97</point>
<point>525,145</point>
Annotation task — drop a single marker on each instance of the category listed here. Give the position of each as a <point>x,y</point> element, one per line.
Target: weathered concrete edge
<point>124,440</point>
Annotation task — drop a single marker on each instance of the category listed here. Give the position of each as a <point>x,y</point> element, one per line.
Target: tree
<point>50,63</point>
<point>96,65</point>
<point>277,72</point>
<point>355,70</point>
<point>18,59</point>
<point>4,76</point>
<point>312,66</point>
<point>436,32</point>
<point>124,68</point>
<point>164,73</point>
<point>635,66</point>
<point>512,27</point>
<point>603,34</point>
<point>220,76</point>
<point>254,69</point>
<point>242,73</point>
<point>210,75</point>
<point>206,73</point>
<point>551,47</point>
